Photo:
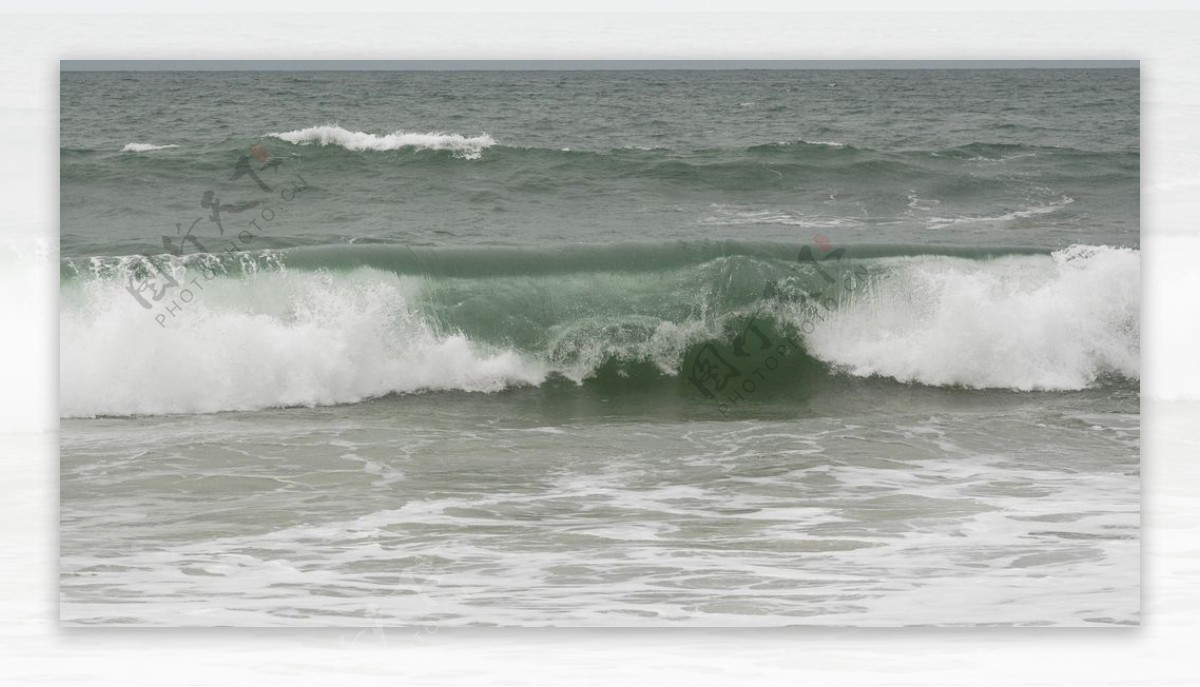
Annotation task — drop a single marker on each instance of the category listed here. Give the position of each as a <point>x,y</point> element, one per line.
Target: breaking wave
<point>340,326</point>
<point>469,147</point>
<point>145,147</point>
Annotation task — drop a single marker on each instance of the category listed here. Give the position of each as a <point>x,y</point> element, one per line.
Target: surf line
<point>150,290</point>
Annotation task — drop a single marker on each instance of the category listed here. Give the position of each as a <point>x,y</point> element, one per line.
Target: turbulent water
<point>600,348</point>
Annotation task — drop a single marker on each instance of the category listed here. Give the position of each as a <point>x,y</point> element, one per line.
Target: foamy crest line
<point>267,340</point>
<point>469,147</point>
<point>1034,211</point>
<point>1021,322</point>
<point>272,338</point>
<point>803,142</point>
<point>145,147</point>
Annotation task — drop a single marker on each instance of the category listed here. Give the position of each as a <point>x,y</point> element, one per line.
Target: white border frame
<point>33,649</point>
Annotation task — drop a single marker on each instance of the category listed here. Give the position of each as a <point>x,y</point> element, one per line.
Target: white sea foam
<point>727,215</point>
<point>1019,322</point>
<point>280,338</point>
<point>469,147</point>
<point>1025,213</point>
<point>145,147</point>
<point>805,142</point>
<point>266,340</point>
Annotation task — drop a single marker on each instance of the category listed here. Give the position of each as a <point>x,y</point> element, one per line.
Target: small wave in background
<point>469,147</point>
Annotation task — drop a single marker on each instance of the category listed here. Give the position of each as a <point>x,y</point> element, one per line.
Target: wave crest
<point>268,340</point>
<point>1058,322</point>
<point>468,147</point>
<point>145,147</point>
<point>284,333</point>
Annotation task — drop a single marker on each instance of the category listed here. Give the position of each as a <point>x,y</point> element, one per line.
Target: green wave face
<point>695,321</point>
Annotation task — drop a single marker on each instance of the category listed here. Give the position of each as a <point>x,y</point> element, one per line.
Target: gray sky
<point>409,65</point>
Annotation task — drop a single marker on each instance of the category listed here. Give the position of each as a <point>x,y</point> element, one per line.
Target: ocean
<point>418,349</point>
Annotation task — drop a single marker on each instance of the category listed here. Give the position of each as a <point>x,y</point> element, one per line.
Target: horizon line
<point>572,65</point>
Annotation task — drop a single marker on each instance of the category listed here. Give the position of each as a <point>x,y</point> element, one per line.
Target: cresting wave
<point>145,147</point>
<point>1059,322</point>
<point>469,147</point>
<point>280,334</point>
<point>1033,211</point>
<point>799,152</point>
<point>952,174</point>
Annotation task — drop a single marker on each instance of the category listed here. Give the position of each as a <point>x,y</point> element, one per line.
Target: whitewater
<point>278,337</point>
